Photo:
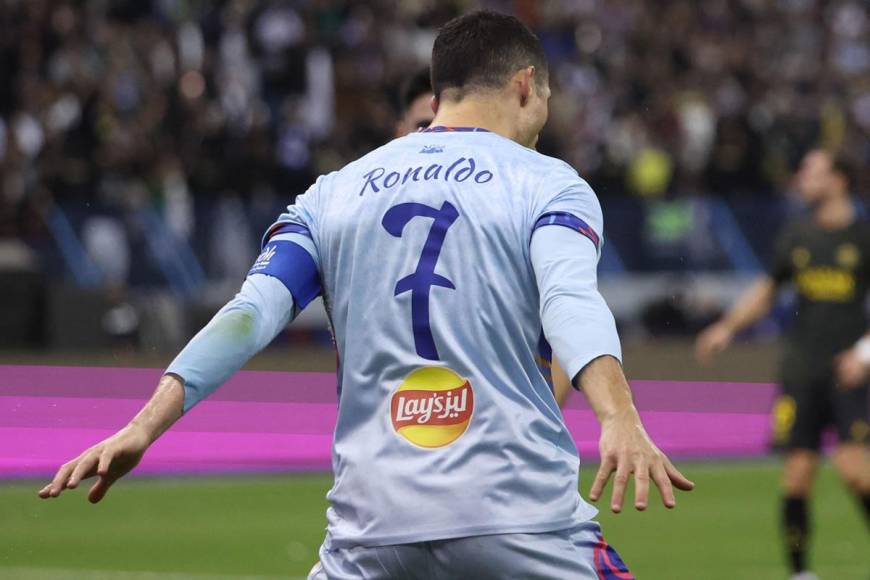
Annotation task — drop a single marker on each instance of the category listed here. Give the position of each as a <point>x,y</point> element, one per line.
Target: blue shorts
<point>578,552</point>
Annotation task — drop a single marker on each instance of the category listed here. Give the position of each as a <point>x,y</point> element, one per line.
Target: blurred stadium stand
<point>145,145</point>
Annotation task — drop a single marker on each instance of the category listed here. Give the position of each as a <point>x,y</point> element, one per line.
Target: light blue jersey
<point>440,279</point>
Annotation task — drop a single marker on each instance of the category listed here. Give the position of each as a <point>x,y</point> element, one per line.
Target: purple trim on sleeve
<point>559,218</point>
<point>286,228</point>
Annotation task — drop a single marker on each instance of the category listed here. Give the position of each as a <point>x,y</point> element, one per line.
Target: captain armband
<point>290,263</point>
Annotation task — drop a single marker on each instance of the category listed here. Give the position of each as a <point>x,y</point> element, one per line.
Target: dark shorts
<point>805,409</point>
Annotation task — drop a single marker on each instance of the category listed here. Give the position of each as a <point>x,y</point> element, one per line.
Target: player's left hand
<point>626,448</point>
<point>109,460</point>
<point>850,368</point>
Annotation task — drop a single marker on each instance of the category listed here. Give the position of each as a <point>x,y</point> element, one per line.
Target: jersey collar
<point>443,129</point>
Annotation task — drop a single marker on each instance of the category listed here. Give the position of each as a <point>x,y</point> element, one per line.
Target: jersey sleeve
<point>576,320</point>
<point>243,327</point>
<point>566,200</point>
<point>289,251</point>
<point>780,266</point>
<point>301,220</point>
<point>283,280</point>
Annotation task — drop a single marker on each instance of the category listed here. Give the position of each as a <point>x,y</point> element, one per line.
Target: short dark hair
<point>417,85</point>
<point>481,50</point>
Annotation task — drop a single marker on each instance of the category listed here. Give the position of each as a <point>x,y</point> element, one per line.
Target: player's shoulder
<point>558,179</point>
<point>551,171</point>
<point>360,165</point>
<point>365,168</point>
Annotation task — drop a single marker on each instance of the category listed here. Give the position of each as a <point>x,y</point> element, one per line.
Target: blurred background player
<point>415,104</point>
<point>825,364</point>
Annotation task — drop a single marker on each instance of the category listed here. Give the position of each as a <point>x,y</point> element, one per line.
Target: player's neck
<point>835,214</point>
<point>476,112</point>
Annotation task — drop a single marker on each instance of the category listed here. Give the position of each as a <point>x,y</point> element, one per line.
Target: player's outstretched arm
<point>116,456</point>
<point>238,331</point>
<point>752,306</point>
<point>581,329</point>
<point>625,447</point>
<point>564,252</point>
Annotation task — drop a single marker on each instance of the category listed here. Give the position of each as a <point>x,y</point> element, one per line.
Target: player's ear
<point>434,104</point>
<point>523,81</point>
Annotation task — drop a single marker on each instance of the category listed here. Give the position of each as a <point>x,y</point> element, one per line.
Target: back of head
<point>480,51</point>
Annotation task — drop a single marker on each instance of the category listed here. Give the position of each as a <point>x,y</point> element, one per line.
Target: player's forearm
<point>752,306</point>
<point>603,382</point>
<point>162,410</point>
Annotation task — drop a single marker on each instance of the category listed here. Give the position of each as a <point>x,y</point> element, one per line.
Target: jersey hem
<point>586,515</point>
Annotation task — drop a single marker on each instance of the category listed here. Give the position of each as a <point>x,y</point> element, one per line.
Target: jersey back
<point>447,425</point>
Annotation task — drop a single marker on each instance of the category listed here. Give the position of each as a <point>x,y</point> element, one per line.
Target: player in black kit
<point>826,358</point>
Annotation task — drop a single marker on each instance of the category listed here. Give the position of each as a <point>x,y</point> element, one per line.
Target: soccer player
<point>415,101</point>
<point>824,367</point>
<point>443,258</point>
<point>417,112</point>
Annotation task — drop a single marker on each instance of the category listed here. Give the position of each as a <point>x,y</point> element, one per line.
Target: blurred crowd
<point>119,105</point>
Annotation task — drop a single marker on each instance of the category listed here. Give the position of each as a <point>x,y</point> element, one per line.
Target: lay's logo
<point>432,407</point>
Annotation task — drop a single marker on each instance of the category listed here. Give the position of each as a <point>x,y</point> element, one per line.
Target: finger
<point>100,488</point>
<point>679,480</point>
<point>641,485</point>
<point>83,470</point>
<point>105,461</point>
<point>663,482</point>
<point>57,484</point>
<point>620,481</point>
<point>604,471</point>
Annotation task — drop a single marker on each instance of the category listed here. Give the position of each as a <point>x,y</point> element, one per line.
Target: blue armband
<point>293,266</point>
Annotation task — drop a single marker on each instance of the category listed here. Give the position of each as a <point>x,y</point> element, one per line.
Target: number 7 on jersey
<point>424,277</point>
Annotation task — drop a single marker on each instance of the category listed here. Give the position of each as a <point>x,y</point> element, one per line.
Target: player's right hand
<point>627,449</point>
<point>109,460</point>
<point>713,340</point>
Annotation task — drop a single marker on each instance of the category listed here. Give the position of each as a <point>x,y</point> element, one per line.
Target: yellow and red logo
<point>432,407</point>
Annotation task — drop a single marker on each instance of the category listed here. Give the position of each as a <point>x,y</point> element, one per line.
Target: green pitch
<point>270,527</point>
